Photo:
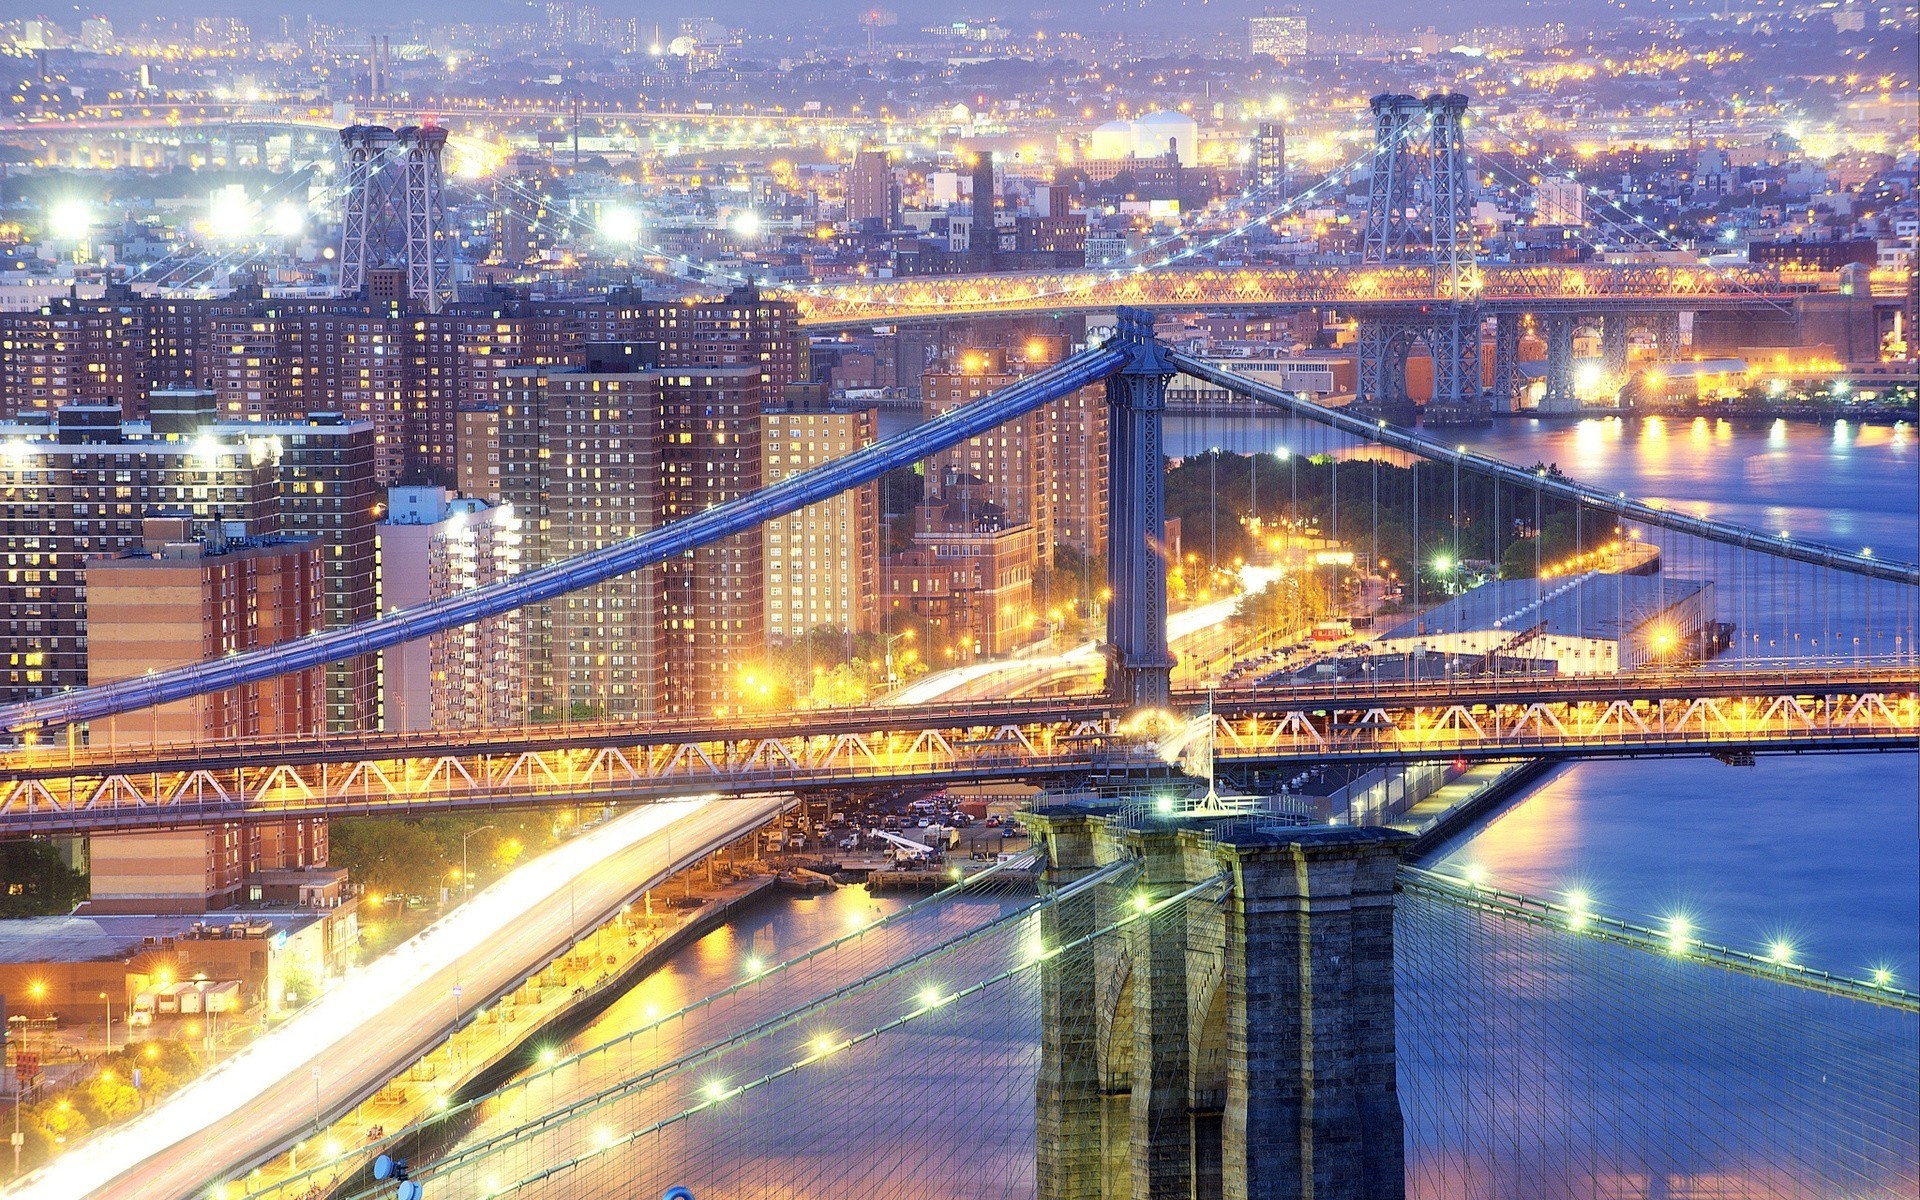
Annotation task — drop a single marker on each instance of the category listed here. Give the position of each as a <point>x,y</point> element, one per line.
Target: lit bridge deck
<point>1529,288</point>
<point>53,788</point>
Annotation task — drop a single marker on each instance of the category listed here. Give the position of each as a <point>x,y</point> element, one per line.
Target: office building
<point>1278,33</point>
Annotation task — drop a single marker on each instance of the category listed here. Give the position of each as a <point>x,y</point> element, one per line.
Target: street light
<point>466,876</point>
<point>903,635</point>
<point>108,1001</point>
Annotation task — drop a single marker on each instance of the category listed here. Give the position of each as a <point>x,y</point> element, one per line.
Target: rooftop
<point>1593,605</point>
<point>110,938</point>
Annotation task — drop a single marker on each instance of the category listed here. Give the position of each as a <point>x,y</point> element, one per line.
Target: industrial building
<point>1591,624</point>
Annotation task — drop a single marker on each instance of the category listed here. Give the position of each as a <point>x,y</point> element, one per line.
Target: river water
<point>1822,850</point>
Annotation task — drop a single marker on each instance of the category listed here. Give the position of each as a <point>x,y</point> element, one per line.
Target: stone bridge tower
<point>1243,1053</point>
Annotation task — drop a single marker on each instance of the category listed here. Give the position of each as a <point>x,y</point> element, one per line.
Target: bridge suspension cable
<point>543,583</point>
<point>951,935</point>
<point>949,1026</point>
<point>1617,504</point>
<point>1548,1051</point>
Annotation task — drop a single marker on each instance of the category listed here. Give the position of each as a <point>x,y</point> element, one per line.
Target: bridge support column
<point>1559,395</point>
<point>1666,337</point>
<point>1138,665</point>
<point>1615,328</point>
<point>1382,359</point>
<point>1454,341</point>
<point>1250,1042</point>
<point>1507,381</point>
<point>1313,1107</point>
<point>1070,1098</point>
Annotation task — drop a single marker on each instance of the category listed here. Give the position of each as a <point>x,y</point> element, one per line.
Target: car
<point>993,822</point>
<point>925,822</point>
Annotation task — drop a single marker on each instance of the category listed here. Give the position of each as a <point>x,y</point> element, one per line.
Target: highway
<point>367,1028</point>
<point>1190,631</point>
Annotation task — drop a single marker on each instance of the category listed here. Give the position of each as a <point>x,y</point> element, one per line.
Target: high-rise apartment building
<point>873,190</point>
<point>1009,466</point>
<point>1270,156</point>
<point>476,452</point>
<point>1076,432</point>
<point>713,609</point>
<point>580,464</point>
<point>433,545</point>
<point>78,485</point>
<point>375,359</point>
<point>191,592</point>
<point>1559,200</point>
<point>969,575</point>
<point>823,562</point>
<point>599,452</point>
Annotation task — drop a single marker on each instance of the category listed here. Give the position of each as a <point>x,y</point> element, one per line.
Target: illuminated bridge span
<point>1533,289</point>
<point>1847,683</point>
<point>1066,741</point>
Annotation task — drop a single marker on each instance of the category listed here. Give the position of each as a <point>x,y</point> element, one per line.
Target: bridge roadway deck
<point>1054,739</point>
<point>352,1040</point>
<point>1495,287</point>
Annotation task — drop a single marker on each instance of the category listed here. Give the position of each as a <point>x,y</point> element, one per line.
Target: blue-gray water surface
<point>1823,851</point>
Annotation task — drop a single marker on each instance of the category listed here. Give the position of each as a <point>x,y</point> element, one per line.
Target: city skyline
<point>1174,601</point>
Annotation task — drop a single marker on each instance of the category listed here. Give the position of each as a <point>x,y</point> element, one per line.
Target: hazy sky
<point>1106,14</point>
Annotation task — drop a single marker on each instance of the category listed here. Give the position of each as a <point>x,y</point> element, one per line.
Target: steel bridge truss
<point>1073,741</point>
<point>1532,288</point>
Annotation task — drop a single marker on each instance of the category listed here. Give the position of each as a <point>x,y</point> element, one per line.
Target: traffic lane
<point>396,1035</point>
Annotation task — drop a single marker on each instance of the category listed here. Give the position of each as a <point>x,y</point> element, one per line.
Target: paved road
<point>362,1032</point>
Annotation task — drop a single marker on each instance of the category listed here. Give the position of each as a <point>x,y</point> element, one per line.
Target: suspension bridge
<point>1811,686</point>
<point>1423,280</point>
<point>1198,1000</point>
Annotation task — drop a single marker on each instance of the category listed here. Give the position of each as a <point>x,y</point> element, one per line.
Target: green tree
<point>35,881</point>
<point>389,855</point>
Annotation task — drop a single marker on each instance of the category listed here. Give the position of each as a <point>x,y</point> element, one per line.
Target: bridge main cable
<point>1618,503</point>
<point>583,570</point>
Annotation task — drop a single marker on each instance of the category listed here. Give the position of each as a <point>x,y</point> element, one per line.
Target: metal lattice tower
<point>1390,182</point>
<point>1420,215</point>
<point>429,273</point>
<point>396,211</point>
<point>1450,197</point>
<point>366,151</point>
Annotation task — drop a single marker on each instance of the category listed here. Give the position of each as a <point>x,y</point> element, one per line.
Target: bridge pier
<point>1382,352</point>
<point>1454,342</point>
<point>1139,668</point>
<point>1666,336</point>
<point>1245,1050</point>
<point>1559,395</point>
<point>1615,331</point>
<point>1504,396</point>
